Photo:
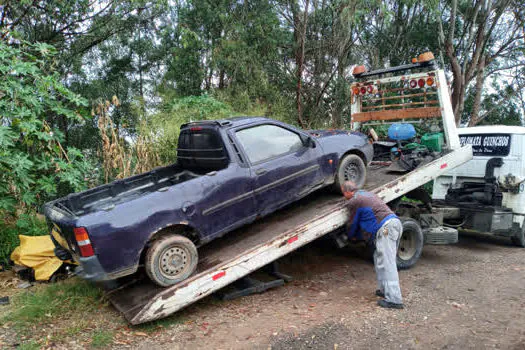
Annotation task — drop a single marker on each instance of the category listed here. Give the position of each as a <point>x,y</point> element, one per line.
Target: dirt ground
<point>469,295</point>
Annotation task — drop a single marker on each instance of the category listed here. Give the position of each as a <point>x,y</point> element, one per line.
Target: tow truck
<point>416,92</point>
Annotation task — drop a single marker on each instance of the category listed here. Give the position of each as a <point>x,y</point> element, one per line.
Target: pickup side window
<point>267,141</point>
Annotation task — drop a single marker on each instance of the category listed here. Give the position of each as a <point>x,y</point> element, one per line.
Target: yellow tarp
<point>37,253</point>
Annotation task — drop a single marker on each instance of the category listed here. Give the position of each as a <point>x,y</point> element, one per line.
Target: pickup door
<point>284,168</point>
<point>223,200</point>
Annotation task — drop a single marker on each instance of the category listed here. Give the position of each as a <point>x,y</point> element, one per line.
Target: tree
<point>34,166</point>
<point>482,37</point>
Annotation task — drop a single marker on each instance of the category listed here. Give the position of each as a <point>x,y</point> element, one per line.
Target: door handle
<point>260,171</point>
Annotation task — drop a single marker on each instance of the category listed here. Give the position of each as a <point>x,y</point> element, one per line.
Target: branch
<point>19,19</point>
<point>507,96</point>
<point>499,13</point>
<point>503,47</point>
<point>4,12</point>
<point>82,20</point>
<point>318,100</point>
<point>505,68</point>
<point>452,21</point>
<point>471,36</point>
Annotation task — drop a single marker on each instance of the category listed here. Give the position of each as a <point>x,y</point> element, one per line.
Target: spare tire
<point>351,168</point>
<point>410,244</point>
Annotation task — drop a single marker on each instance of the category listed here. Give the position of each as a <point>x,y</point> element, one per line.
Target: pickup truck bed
<point>250,248</point>
<point>107,196</point>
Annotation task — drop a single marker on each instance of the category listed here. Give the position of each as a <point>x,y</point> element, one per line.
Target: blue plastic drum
<point>401,131</point>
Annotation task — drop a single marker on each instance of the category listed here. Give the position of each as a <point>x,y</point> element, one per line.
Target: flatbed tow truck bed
<point>252,247</point>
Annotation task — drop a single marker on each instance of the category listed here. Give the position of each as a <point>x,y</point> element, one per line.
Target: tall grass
<point>121,158</point>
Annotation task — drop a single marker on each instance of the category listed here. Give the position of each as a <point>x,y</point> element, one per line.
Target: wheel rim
<point>407,246</point>
<point>173,261</point>
<point>351,172</point>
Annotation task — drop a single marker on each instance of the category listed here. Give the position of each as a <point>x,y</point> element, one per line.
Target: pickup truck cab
<point>228,173</point>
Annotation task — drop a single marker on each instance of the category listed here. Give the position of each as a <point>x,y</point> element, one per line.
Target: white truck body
<point>506,142</point>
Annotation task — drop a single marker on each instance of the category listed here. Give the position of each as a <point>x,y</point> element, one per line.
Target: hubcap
<point>173,261</point>
<point>351,172</point>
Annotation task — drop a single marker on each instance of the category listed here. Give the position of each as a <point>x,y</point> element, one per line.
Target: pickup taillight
<point>84,244</point>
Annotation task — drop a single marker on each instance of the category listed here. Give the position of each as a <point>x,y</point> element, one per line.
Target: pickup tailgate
<point>61,224</point>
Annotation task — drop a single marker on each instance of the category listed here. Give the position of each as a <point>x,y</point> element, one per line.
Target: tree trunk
<point>480,79</point>
<point>300,37</point>
<point>221,79</point>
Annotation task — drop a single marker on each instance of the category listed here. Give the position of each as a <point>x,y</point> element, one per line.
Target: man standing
<point>372,220</point>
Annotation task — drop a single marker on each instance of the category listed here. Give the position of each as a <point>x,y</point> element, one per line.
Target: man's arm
<point>353,219</point>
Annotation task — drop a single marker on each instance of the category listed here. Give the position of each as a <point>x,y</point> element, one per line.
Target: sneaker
<point>389,305</point>
<point>379,293</point>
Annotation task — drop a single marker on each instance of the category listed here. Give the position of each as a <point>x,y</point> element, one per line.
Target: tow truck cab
<point>487,194</point>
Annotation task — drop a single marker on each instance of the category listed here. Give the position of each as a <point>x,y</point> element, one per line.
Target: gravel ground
<point>468,295</point>
<point>463,296</point>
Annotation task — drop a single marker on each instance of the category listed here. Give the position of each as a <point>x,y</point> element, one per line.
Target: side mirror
<point>309,142</point>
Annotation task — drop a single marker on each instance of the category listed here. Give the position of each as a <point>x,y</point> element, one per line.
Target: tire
<point>180,250</point>
<point>410,244</point>
<point>519,239</point>
<point>351,168</point>
<point>441,236</point>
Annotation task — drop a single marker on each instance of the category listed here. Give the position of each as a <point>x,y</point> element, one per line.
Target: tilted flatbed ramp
<point>247,249</point>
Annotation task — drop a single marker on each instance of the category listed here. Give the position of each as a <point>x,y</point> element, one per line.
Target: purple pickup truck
<point>228,173</point>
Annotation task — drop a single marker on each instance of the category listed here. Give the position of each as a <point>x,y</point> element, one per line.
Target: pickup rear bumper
<point>90,269</point>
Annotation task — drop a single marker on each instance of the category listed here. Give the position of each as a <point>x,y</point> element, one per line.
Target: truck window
<point>201,150</point>
<point>494,145</point>
<point>263,142</point>
<point>199,140</point>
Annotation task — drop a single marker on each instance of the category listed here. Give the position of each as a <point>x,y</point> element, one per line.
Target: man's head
<point>349,188</point>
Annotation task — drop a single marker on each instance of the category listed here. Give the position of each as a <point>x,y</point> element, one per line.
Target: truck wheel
<point>351,168</point>
<point>519,239</point>
<point>170,260</point>
<point>410,244</point>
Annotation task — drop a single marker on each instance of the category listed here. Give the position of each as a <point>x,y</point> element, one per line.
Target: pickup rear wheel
<point>351,168</point>
<point>170,260</point>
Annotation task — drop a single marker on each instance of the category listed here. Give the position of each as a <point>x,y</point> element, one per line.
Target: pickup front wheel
<point>170,260</point>
<point>351,168</point>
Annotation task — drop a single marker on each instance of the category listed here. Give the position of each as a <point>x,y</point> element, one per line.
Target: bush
<point>34,167</point>
<point>165,125</point>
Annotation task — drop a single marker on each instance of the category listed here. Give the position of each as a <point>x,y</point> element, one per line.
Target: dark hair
<point>349,186</point>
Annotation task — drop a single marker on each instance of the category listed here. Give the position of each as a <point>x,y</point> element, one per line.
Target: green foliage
<point>34,166</point>
<point>31,345</point>
<point>40,306</point>
<point>165,125</point>
<point>185,66</point>
<point>500,106</point>
<point>102,338</point>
